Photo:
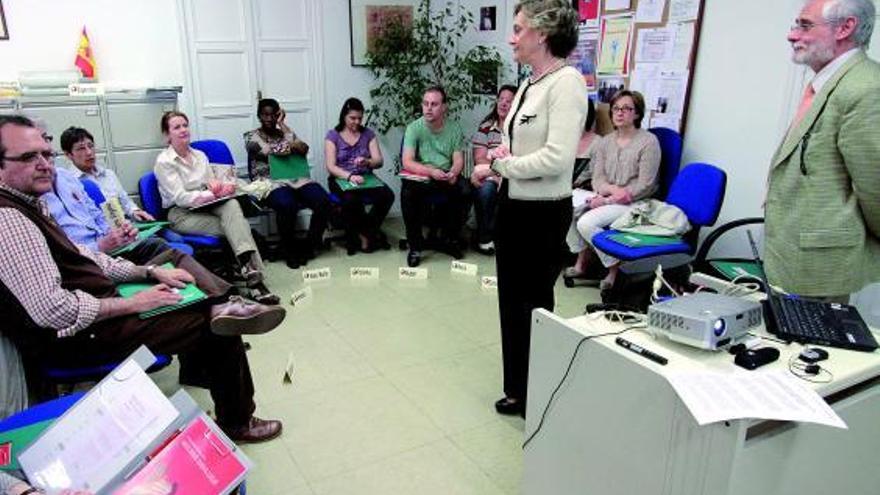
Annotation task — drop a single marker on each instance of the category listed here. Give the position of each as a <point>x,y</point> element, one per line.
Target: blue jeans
<point>485,203</point>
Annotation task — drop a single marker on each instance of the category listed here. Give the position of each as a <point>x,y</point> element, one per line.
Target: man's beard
<point>813,55</point>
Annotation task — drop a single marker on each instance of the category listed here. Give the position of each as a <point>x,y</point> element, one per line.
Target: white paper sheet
<point>683,10</point>
<point>655,45</point>
<point>102,434</point>
<point>681,50</point>
<point>617,5</point>
<point>775,394</point>
<point>650,10</point>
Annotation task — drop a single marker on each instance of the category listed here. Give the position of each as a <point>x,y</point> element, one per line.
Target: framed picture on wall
<point>368,20</point>
<point>4,34</point>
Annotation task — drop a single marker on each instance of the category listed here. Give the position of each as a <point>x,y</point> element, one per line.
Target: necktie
<point>806,101</point>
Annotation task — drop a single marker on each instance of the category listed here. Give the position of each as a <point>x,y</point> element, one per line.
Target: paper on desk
<point>712,397</point>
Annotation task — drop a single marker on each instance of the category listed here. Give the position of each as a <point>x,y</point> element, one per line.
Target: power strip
<point>710,282</point>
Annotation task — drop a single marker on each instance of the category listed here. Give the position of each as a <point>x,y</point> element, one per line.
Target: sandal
<point>261,294</point>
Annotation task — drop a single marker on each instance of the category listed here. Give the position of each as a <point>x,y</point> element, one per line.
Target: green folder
<point>191,294</point>
<point>630,239</point>
<point>370,181</point>
<point>142,234</point>
<point>148,225</point>
<point>288,167</point>
<point>19,439</point>
<point>733,269</point>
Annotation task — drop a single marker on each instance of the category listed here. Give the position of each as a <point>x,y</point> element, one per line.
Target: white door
<point>239,50</point>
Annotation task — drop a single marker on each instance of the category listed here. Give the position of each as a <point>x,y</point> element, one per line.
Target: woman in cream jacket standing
<point>536,158</point>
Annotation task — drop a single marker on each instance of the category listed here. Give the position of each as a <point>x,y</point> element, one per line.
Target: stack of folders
<point>126,437</point>
<point>190,295</point>
<point>630,239</point>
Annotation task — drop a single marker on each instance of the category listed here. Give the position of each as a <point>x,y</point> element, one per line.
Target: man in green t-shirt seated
<point>433,156</point>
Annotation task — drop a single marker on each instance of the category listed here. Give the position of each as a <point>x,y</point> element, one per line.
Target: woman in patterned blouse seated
<point>286,197</point>
<point>351,154</point>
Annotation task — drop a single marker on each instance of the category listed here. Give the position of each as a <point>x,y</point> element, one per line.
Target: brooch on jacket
<point>525,119</point>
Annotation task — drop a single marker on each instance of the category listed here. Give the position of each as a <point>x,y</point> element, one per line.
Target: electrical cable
<point>565,376</point>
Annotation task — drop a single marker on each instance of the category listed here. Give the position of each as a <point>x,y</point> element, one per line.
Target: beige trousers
<point>225,220</point>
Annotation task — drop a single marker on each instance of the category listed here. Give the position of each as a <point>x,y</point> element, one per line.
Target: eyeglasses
<point>616,109</point>
<point>803,26</point>
<point>33,157</point>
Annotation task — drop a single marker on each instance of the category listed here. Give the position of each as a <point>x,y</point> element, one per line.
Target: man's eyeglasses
<point>33,157</point>
<point>803,26</point>
<point>616,109</point>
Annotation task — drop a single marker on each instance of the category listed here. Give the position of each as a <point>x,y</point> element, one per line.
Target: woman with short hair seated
<point>351,154</point>
<point>186,181</point>
<point>488,137</point>
<point>286,196</point>
<point>624,171</point>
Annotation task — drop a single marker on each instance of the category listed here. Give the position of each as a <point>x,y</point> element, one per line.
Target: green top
<point>434,149</point>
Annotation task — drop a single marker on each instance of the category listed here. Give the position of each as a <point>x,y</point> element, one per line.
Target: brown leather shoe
<point>256,430</point>
<point>239,316</point>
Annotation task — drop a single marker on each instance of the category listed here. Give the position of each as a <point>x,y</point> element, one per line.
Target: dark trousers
<point>287,201</point>
<point>447,202</point>
<point>185,332</point>
<point>355,218</point>
<point>148,249</point>
<point>529,241</point>
<point>485,206</point>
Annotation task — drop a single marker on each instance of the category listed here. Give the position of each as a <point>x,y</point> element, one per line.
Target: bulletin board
<point>649,46</point>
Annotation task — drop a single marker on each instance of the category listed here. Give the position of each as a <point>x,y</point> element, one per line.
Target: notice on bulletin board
<point>616,36</point>
<point>588,12</point>
<point>583,57</point>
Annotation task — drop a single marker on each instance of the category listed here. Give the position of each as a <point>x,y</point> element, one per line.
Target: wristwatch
<point>150,270</point>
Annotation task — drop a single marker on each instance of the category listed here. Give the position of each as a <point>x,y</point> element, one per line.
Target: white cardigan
<point>546,123</point>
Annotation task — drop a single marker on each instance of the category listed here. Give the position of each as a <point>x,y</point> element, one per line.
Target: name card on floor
<point>463,268</point>
<point>301,297</point>
<point>316,274</point>
<point>407,273</point>
<point>364,272</point>
<point>288,370</point>
<point>489,283</point>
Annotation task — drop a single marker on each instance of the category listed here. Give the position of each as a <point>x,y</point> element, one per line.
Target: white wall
<point>135,42</point>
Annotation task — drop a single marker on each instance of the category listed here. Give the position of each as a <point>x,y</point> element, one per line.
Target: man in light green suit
<point>823,200</point>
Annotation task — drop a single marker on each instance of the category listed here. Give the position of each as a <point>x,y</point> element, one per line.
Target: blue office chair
<point>670,158</point>
<point>216,151</point>
<point>699,191</point>
<point>148,188</point>
<point>95,194</point>
<point>70,376</point>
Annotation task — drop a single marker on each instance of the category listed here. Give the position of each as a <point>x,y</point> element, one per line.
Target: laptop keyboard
<point>805,318</point>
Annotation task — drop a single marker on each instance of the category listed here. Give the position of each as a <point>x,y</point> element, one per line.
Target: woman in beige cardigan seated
<point>625,170</point>
<point>187,180</point>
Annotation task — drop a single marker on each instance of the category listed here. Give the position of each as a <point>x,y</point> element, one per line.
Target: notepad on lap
<point>191,294</point>
<point>142,235</point>
<point>293,167</point>
<point>370,181</point>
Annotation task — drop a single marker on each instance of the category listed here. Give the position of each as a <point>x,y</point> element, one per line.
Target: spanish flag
<point>84,59</point>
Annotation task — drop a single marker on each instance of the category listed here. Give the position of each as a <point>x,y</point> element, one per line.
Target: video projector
<point>705,320</point>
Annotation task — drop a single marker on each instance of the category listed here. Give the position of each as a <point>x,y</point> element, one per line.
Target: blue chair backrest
<point>148,188</point>
<point>216,150</point>
<point>94,191</point>
<point>699,192</point>
<point>670,160</point>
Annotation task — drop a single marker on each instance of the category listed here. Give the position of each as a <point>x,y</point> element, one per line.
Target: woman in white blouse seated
<point>625,169</point>
<point>186,181</point>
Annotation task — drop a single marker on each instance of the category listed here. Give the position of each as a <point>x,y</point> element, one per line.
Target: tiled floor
<point>393,383</point>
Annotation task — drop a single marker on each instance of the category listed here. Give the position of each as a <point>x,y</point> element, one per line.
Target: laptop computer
<point>813,322</point>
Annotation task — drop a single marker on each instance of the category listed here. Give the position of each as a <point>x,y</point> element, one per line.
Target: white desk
<point>617,427</point>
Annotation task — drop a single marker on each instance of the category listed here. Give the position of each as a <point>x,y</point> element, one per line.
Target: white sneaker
<point>486,247</point>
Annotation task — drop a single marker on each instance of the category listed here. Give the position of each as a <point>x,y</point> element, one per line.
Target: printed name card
<point>316,275</point>
<point>407,273</point>
<point>301,297</point>
<point>463,268</point>
<point>85,89</point>
<point>489,283</point>
<point>364,273</point>
<point>288,370</point>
